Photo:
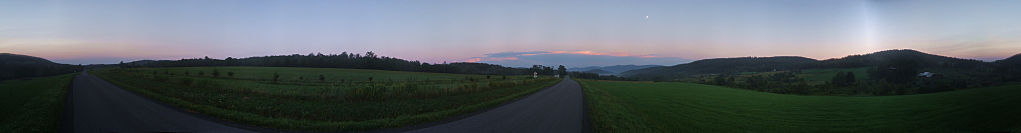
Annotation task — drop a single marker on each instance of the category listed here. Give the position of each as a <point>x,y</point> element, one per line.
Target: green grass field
<point>342,100</point>
<point>33,105</point>
<point>618,106</point>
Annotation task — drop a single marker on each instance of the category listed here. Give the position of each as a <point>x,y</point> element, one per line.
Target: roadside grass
<point>33,105</point>
<point>344,100</point>
<point>619,106</point>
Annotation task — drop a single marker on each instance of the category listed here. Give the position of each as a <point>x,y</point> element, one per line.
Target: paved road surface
<point>556,109</point>
<point>98,106</point>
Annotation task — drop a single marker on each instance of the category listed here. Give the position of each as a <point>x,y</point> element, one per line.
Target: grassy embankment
<point>339,100</point>
<point>33,105</point>
<point>618,106</point>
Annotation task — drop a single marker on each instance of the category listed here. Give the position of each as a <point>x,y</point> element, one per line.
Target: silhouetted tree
<point>561,70</point>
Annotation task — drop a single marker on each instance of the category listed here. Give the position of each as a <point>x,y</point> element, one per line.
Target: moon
<point>646,17</point>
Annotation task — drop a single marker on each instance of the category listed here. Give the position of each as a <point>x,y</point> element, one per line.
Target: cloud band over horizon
<point>580,58</point>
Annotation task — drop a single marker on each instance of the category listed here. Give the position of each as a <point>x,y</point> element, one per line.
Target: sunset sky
<point>513,33</point>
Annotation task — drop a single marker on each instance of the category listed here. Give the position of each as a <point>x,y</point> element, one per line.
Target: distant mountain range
<point>13,66</point>
<point>600,72</point>
<point>610,70</point>
<point>780,63</point>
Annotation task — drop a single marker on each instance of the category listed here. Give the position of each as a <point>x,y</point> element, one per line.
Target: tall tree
<point>561,70</point>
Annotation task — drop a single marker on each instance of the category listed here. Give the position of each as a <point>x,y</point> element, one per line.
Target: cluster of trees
<point>348,60</point>
<point>843,79</point>
<point>783,82</point>
<point>13,66</point>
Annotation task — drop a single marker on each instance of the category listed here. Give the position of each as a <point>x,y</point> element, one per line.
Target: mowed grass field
<point>322,99</point>
<point>619,106</point>
<point>33,105</point>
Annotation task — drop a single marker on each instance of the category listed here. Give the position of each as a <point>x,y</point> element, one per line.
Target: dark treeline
<point>347,60</point>
<point>13,66</point>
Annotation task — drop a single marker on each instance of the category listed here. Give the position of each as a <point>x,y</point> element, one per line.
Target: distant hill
<point>881,57</point>
<point>612,70</point>
<point>722,65</point>
<point>1010,68</point>
<point>600,72</point>
<point>1013,60</point>
<point>14,66</point>
<point>762,64</point>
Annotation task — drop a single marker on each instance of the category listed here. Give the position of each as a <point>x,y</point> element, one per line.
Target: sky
<point>512,33</point>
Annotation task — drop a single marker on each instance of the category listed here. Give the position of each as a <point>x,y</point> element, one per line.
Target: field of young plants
<point>322,99</point>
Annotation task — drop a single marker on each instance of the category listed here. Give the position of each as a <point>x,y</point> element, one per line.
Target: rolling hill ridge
<point>780,63</point>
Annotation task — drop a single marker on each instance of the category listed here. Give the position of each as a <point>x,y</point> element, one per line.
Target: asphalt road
<point>98,106</point>
<point>558,109</point>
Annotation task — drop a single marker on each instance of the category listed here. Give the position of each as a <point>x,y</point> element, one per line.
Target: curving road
<point>558,109</point>
<point>98,106</point>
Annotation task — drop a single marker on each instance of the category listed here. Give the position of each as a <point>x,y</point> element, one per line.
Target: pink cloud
<point>473,60</point>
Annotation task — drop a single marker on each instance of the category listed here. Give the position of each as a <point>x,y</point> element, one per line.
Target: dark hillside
<point>916,59</point>
<point>14,66</point>
<point>722,65</point>
<point>600,72</point>
<point>924,60</point>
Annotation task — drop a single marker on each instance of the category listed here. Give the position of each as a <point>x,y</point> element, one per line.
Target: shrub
<point>276,77</point>
<point>322,78</point>
<point>216,73</point>
<point>230,74</point>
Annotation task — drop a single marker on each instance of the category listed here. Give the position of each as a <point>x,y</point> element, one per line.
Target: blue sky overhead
<point>578,33</point>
